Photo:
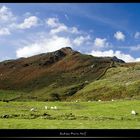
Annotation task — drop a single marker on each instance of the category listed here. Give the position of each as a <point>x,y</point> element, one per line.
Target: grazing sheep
<point>32,109</point>
<point>89,101</point>
<point>112,100</point>
<point>52,107</point>
<point>46,107</point>
<point>76,101</point>
<point>133,112</point>
<point>55,107</point>
<point>99,100</point>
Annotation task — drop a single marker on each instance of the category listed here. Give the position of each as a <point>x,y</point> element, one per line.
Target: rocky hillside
<point>56,75</point>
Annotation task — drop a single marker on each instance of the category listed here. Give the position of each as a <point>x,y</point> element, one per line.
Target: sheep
<point>89,101</point>
<point>99,100</point>
<point>32,109</point>
<point>52,107</point>
<point>76,101</point>
<point>112,100</point>
<point>133,112</point>
<point>46,107</point>
<point>55,107</point>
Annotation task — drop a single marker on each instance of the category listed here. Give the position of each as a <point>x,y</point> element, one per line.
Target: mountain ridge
<point>57,75</point>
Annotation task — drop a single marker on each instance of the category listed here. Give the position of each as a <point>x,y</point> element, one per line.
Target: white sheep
<point>99,100</point>
<point>55,107</point>
<point>76,101</point>
<point>32,109</point>
<point>133,112</point>
<point>112,100</point>
<point>46,107</point>
<point>52,107</point>
<point>89,101</point>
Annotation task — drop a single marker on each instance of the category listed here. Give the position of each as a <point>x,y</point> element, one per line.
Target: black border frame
<point>69,133</point>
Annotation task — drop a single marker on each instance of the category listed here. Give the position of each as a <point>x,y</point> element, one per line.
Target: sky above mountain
<point>99,29</point>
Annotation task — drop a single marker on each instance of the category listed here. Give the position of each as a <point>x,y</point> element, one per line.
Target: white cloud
<point>29,22</point>
<point>100,43</point>
<point>53,22</point>
<point>74,30</point>
<point>118,54</point>
<point>9,21</point>
<point>51,41</point>
<point>80,40</point>
<point>137,35</point>
<point>4,31</point>
<point>42,46</point>
<point>137,59</point>
<point>6,14</point>
<point>61,28</point>
<point>119,36</point>
<point>58,27</point>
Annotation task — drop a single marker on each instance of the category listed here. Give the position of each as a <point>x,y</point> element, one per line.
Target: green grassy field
<point>70,115</point>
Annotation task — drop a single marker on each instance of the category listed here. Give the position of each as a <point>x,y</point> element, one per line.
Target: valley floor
<point>70,115</point>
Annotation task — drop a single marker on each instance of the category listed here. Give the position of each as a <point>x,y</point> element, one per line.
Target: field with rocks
<point>70,115</point>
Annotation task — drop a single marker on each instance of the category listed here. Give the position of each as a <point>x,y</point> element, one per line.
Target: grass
<point>54,124</point>
<point>70,115</point>
<point>117,83</point>
<point>9,94</point>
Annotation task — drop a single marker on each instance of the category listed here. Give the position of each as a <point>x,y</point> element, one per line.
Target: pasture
<point>70,115</point>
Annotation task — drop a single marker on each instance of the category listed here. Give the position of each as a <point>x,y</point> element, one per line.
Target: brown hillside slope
<point>62,67</point>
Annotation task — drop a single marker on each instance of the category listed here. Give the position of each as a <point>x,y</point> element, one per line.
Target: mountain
<point>117,60</point>
<point>59,75</point>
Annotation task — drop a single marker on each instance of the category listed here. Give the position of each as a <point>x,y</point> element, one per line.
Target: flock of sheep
<point>46,107</point>
<point>133,112</point>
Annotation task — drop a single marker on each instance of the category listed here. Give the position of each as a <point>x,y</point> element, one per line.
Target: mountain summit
<point>117,60</point>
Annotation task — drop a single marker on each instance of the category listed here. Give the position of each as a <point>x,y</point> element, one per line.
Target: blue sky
<point>99,29</point>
